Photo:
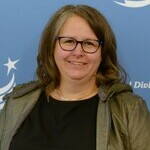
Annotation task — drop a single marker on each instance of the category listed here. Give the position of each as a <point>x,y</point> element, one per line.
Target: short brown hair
<point>109,71</point>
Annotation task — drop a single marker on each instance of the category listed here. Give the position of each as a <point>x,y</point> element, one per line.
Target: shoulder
<point>128,98</point>
<point>19,102</point>
<point>130,117</point>
<point>122,99</point>
<point>23,96</point>
<point>128,105</point>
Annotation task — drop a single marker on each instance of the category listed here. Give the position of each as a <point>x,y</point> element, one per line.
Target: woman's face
<point>77,64</point>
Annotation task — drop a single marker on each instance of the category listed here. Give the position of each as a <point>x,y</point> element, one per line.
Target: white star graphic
<point>11,65</point>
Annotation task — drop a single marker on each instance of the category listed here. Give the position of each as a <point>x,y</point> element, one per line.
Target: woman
<point>80,100</point>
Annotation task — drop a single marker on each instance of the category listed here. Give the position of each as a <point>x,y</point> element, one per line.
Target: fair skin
<point>77,68</point>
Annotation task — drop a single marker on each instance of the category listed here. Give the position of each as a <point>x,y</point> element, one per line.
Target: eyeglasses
<point>88,46</point>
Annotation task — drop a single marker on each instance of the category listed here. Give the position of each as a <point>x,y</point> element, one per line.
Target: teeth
<point>76,63</point>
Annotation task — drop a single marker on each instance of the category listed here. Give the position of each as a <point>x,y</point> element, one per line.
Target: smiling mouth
<point>77,63</point>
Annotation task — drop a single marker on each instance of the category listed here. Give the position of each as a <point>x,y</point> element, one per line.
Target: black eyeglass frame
<point>101,43</point>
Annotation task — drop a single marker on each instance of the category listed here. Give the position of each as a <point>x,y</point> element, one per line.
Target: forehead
<point>76,26</point>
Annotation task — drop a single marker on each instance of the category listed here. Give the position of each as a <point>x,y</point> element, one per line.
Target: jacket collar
<point>23,89</point>
<point>106,92</point>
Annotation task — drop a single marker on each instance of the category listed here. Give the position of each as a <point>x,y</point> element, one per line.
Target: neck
<point>77,90</point>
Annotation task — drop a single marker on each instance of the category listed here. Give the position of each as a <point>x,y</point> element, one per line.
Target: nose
<point>78,51</point>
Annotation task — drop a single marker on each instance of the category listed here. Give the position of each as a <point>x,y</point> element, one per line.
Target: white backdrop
<point>22,22</point>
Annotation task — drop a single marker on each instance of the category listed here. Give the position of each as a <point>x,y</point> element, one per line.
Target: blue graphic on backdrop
<point>133,3</point>
<point>9,86</point>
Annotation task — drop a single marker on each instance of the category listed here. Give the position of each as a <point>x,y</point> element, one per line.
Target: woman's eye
<point>69,41</point>
<point>89,43</point>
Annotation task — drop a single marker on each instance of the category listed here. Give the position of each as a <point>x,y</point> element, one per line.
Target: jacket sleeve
<point>139,127</point>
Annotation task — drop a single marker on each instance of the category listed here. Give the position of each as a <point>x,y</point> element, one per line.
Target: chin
<point>77,77</point>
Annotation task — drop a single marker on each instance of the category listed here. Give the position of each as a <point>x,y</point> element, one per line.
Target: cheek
<point>97,59</point>
<point>56,55</point>
<point>59,55</point>
<point>96,64</point>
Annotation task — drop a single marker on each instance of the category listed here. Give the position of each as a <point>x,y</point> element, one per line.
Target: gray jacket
<point>123,120</point>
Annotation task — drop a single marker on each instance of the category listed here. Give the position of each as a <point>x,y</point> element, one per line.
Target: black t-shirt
<point>58,125</point>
